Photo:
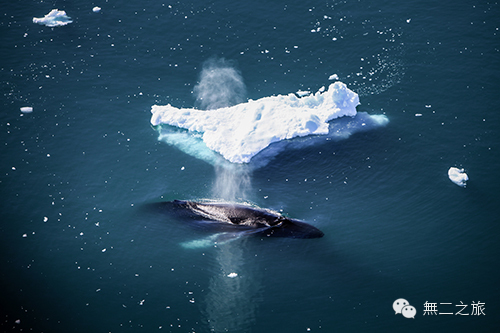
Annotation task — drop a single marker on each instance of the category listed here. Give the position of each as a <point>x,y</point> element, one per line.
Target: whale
<point>228,218</point>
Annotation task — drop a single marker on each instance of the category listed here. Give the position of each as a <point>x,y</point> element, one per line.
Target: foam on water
<point>240,132</point>
<point>55,18</point>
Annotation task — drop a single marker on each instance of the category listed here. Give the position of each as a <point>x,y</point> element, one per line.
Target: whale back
<point>245,216</point>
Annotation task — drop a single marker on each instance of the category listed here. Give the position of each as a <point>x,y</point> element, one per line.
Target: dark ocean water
<point>79,254</point>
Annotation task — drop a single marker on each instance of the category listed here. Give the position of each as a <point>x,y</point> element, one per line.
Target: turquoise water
<point>80,254</point>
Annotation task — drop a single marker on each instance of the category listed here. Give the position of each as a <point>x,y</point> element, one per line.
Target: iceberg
<point>55,18</point>
<point>240,132</point>
<point>26,109</point>
<point>458,176</point>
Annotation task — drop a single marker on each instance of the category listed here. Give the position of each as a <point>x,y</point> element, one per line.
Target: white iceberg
<point>240,132</point>
<point>55,18</point>
<point>26,109</point>
<point>96,9</point>
<point>458,176</point>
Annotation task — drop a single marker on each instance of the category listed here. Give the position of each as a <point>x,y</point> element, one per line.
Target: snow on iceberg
<point>55,18</point>
<point>240,132</point>
<point>458,176</point>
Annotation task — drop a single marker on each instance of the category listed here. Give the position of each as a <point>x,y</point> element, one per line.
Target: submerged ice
<point>55,18</point>
<point>240,132</point>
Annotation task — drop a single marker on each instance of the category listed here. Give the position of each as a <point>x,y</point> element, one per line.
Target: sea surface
<point>79,253</point>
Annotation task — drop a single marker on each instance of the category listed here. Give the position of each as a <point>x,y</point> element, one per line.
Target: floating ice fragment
<point>55,18</point>
<point>45,219</point>
<point>96,9</point>
<point>26,109</point>
<point>458,176</point>
<point>418,115</point>
<point>333,77</point>
<point>103,250</point>
<point>25,235</point>
<point>303,93</point>
<point>232,275</point>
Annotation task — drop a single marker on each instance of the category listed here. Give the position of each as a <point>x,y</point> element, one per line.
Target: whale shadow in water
<point>232,220</point>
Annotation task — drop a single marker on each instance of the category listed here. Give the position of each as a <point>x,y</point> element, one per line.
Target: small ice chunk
<point>45,219</point>
<point>26,109</point>
<point>458,176</point>
<point>103,250</point>
<point>333,77</point>
<point>96,9</point>
<point>232,275</point>
<point>55,18</point>
<point>418,115</point>
<point>303,93</point>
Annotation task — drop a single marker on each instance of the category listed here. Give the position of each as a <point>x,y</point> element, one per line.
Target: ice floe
<point>458,176</point>
<point>55,18</point>
<point>240,132</point>
<point>96,9</point>
<point>302,93</point>
<point>26,109</point>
